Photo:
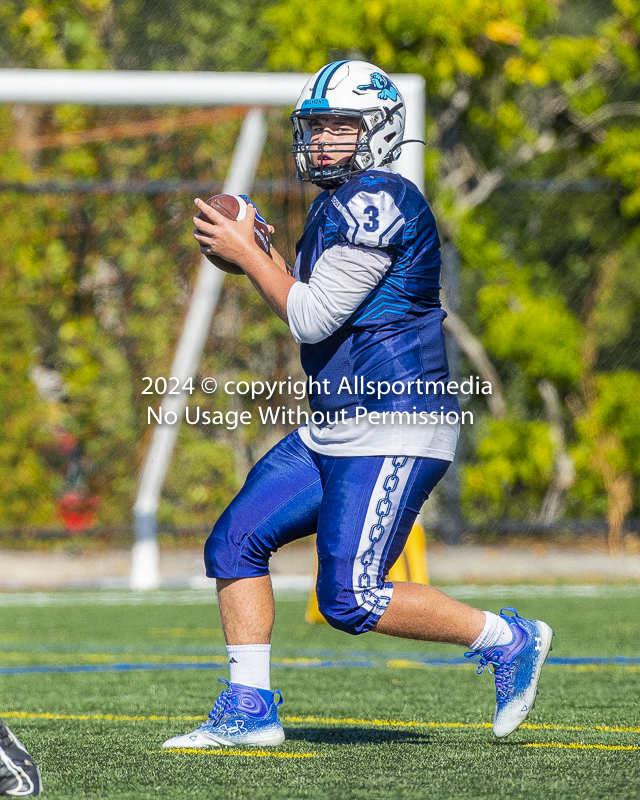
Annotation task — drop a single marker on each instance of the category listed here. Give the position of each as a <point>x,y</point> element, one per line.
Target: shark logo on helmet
<point>380,83</point>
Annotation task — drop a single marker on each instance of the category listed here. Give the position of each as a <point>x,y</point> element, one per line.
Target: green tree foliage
<point>135,34</point>
<point>26,441</point>
<point>502,475</point>
<point>95,287</point>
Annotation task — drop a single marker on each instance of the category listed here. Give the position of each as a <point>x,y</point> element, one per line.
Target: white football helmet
<point>349,89</point>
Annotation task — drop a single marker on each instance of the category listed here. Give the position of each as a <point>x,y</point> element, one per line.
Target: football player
<point>19,776</point>
<point>363,302</point>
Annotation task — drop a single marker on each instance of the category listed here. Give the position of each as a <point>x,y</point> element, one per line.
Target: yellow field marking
<point>394,723</point>
<point>385,723</point>
<point>602,728</point>
<point>254,753</point>
<point>185,633</point>
<point>403,663</point>
<point>578,746</point>
<point>598,667</point>
<point>65,659</point>
<point>100,717</point>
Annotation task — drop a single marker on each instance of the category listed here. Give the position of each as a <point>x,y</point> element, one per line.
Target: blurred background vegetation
<point>533,170</point>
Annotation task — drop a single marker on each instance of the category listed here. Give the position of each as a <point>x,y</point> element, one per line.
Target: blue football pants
<point>361,508</point>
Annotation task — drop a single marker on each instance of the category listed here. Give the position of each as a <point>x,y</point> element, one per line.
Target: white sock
<point>496,631</point>
<point>249,664</point>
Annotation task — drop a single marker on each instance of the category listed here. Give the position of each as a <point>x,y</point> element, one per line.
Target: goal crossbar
<point>201,89</point>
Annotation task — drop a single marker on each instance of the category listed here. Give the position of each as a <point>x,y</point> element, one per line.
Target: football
<point>234,207</point>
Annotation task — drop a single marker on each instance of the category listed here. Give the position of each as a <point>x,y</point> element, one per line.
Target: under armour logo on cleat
<point>538,646</point>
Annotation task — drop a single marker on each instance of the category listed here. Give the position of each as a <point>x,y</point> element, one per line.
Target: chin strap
<point>326,180</point>
<point>336,183</point>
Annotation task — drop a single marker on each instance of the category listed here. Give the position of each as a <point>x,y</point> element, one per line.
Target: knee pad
<point>230,552</point>
<point>220,552</point>
<point>352,612</point>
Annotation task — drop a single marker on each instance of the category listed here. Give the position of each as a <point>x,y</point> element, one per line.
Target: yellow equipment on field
<point>411,566</point>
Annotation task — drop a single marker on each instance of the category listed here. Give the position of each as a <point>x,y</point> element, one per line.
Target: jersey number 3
<point>372,223</point>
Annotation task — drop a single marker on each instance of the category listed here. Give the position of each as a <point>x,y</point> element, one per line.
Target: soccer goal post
<point>201,89</point>
<point>256,91</point>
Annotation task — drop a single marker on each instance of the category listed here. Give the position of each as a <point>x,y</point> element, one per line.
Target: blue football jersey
<point>395,335</point>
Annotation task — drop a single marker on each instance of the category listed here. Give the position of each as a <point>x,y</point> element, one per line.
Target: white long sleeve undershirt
<point>341,279</point>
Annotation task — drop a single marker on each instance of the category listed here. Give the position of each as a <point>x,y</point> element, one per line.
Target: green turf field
<point>364,717</point>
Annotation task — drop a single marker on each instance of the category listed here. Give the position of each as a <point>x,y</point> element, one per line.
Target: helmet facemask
<point>371,121</point>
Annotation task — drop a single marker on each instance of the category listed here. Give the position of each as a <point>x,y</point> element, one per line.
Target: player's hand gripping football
<point>232,240</point>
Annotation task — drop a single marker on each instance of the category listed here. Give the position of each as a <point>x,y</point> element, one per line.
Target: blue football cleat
<point>516,667</point>
<point>242,715</point>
